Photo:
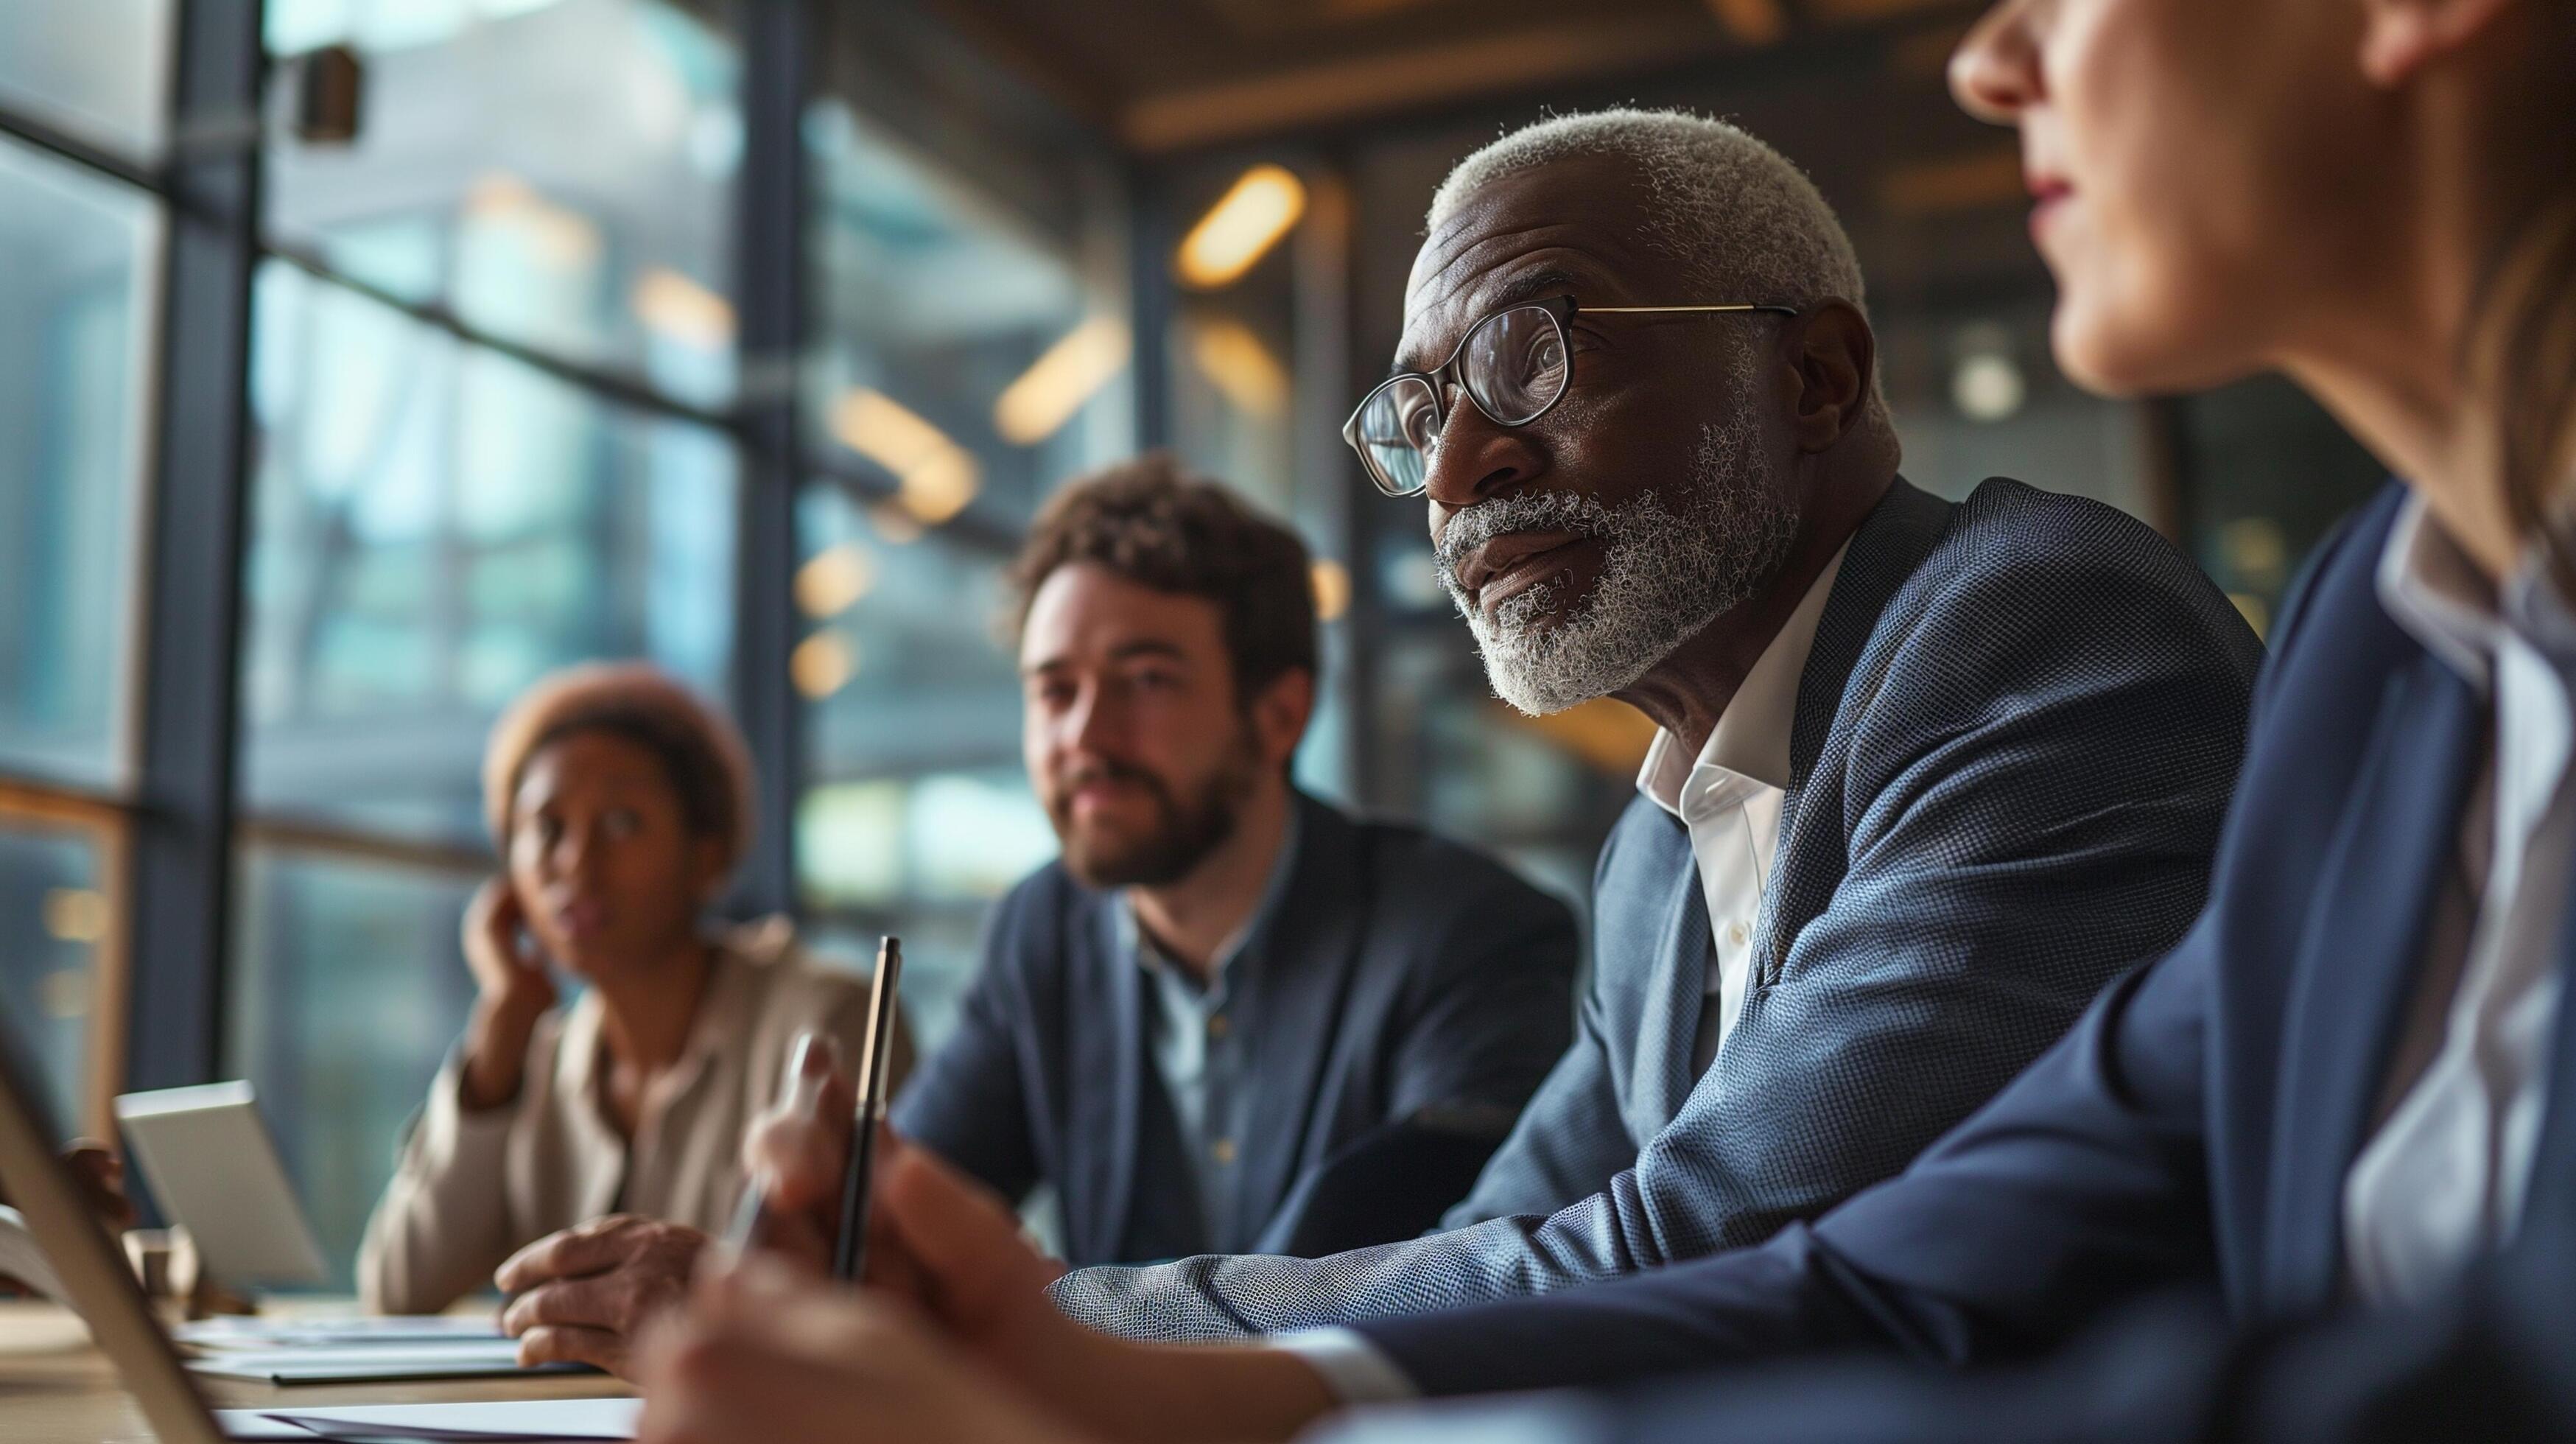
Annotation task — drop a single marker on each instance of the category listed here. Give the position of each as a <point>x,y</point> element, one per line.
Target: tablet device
<point>214,1168</point>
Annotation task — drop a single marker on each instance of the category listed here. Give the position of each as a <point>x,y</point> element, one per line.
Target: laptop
<point>216,1172</point>
<point>99,1285</point>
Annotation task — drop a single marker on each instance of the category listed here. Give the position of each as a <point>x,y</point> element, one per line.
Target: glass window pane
<point>959,353</point>
<point>1233,395</point>
<point>54,916</point>
<point>76,255</point>
<point>2265,473</point>
<point>347,990</point>
<point>97,69</point>
<point>433,527</point>
<point>560,172</point>
<point>918,814</point>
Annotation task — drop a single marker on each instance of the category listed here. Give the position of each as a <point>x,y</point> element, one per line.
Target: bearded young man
<point>1230,1017</point>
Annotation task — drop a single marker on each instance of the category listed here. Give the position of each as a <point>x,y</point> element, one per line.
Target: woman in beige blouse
<point>619,805</point>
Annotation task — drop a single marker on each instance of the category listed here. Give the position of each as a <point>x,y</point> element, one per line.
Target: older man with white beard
<point>1927,776</point>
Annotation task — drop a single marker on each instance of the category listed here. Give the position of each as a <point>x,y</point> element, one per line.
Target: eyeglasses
<point>1514,365</point>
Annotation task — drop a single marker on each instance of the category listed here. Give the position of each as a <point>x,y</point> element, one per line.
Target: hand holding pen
<point>809,1161</point>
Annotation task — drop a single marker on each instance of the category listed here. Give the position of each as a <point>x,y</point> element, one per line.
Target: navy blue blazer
<point>2193,1132</point>
<point>2012,748</point>
<point>1398,977</point>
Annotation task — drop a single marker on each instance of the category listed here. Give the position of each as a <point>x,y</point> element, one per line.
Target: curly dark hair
<point>1154,524</point>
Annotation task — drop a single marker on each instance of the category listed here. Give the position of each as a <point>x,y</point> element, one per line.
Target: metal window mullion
<point>770,303</point>
<point>178,905</point>
<point>1153,300</point>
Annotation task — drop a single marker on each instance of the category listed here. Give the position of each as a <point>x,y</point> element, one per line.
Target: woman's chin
<point>2119,358</point>
<point>586,961</point>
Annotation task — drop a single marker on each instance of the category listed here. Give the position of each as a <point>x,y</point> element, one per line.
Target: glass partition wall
<point>498,397</point>
<point>84,94</point>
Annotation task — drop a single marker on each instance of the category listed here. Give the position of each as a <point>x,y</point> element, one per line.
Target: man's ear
<point>1836,357</point>
<point>2401,37</point>
<point>1280,714</point>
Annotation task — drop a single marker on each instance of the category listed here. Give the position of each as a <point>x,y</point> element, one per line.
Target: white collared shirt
<point>2443,1178</point>
<point>1729,799</point>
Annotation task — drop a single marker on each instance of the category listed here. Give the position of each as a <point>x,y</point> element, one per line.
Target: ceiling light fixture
<point>1235,362</point>
<point>1242,226</point>
<point>1071,372</point>
<point>833,580</point>
<point>822,664</point>
<point>935,476</point>
<point>670,304</point>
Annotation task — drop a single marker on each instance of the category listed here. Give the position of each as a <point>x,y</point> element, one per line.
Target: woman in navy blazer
<point>2312,1174</point>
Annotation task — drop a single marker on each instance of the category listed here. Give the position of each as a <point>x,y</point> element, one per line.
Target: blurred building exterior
<point>744,336</point>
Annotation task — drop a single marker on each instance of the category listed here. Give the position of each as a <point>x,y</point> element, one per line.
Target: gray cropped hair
<point>1744,223</point>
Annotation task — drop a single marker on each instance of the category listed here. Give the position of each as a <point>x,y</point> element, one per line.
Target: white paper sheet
<point>231,1332</point>
<point>547,1419</point>
<point>472,1358</point>
<point>497,1353</point>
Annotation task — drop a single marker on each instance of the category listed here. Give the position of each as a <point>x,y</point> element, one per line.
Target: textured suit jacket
<point>1399,977</point>
<point>2014,741</point>
<point>2192,1133</point>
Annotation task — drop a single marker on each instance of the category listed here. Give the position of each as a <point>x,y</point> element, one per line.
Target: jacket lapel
<point>1883,554</point>
<point>2363,943</point>
<point>1112,1050</point>
<point>1881,557</point>
<point>1298,964</point>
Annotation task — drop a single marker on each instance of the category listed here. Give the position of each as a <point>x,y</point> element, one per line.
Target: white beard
<point>1667,572</point>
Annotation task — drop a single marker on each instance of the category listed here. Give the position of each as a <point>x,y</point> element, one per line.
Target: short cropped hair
<point>1151,523</point>
<point>700,751</point>
<point>1744,222</point>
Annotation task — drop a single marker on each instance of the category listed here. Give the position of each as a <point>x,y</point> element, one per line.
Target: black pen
<point>876,1069</point>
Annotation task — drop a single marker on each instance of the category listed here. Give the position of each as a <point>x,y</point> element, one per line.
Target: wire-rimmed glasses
<point>1514,365</point>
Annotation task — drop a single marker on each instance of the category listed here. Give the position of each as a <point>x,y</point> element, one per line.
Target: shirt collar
<point>2433,592</point>
<point>723,1018</point>
<point>1751,738</point>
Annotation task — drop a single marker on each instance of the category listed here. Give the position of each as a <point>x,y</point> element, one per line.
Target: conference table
<point>57,1388</point>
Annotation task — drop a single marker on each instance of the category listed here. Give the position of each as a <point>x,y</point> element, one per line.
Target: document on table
<point>237,1332</point>
<point>457,1359</point>
<point>557,1421</point>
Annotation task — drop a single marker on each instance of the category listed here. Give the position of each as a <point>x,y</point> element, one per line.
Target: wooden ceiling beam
<point>1342,90</point>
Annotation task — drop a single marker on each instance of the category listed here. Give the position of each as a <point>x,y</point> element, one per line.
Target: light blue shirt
<point>1198,1042</point>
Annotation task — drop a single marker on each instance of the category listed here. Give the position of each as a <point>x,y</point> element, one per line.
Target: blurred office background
<point>361,360</point>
